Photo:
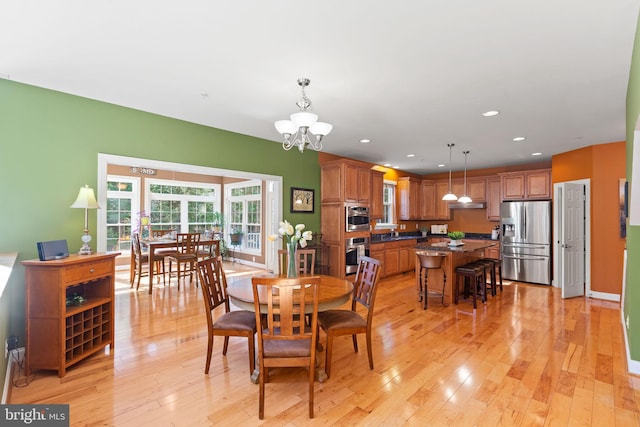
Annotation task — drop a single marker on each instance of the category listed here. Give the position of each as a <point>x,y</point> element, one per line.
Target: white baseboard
<point>633,366</point>
<point>604,296</point>
<point>7,378</point>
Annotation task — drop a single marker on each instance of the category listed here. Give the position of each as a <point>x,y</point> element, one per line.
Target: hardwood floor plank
<point>526,358</point>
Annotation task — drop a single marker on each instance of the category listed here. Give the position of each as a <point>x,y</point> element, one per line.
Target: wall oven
<point>355,247</point>
<point>357,218</point>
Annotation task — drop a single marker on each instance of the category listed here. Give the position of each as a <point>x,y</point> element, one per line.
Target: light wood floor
<point>527,358</point>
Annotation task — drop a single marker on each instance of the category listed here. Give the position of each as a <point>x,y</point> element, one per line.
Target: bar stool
<point>490,269</point>
<point>428,262</point>
<point>472,276</point>
<point>497,270</point>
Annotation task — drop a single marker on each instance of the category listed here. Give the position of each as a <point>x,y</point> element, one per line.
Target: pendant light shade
<point>465,198</point>
<point>450,197</point>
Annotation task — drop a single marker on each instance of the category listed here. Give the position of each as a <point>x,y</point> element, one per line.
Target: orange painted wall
<point>604,165</point>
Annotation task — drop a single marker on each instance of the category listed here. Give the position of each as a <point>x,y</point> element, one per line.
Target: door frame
<point>587,235</point>
<point>272,199</point>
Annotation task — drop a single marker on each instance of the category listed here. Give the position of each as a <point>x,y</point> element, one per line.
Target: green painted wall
<point>49,145</point>
<point>632,288</point>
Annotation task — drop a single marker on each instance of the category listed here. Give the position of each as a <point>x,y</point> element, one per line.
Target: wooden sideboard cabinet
<point>59,335</point>
<point>526,185</point>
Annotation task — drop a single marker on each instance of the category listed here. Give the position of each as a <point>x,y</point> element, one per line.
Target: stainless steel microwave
<point>357,218</point>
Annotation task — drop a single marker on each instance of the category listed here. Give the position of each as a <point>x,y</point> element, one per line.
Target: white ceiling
<point>411,76</point>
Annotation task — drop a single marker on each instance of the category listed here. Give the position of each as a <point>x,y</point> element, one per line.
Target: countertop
<point>465,247</point>
<point>383,238</point>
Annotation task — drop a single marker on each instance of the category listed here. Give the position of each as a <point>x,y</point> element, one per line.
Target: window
<point>244,204</point>
<point>187,207</point>
<point>389,202</point>
<point>122,206</point>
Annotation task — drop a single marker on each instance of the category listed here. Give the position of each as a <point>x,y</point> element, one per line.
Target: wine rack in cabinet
<point>70,310</point>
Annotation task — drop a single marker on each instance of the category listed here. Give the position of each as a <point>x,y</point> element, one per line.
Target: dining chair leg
<point>355,342</point>
<point>252,355</point>
<point>209,350</point>
<point>369,352</point>
<point>312,378</point>
<point>263,374</point>
<point>226,345</point>
<point>327,357</point>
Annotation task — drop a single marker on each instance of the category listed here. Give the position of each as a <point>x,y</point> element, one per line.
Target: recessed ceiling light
<point>441,165</point>
<point>387,165</point>
<point>411,155</point>
<point>396,167</point>
<point>519,138</point>
<point>536,154</point>
<point>491,113</point>
<point>365,141</point>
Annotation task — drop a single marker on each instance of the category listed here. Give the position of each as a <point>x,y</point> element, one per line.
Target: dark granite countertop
<point>465,247</point>
<point>387,237</point>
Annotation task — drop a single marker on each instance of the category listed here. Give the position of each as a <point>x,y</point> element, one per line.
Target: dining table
<point>334,292</point>
<point>161,243</point>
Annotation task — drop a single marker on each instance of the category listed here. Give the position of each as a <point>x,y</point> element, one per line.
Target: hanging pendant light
<point>450,197</point>
<point>465,198</point>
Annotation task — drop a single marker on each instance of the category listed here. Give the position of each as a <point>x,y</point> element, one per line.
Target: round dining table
<point>334,292</point>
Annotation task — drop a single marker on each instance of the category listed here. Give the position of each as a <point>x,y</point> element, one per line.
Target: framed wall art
<point>301,200</point>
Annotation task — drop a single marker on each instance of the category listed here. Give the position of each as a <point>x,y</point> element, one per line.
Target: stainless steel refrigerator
<point>526,241</point>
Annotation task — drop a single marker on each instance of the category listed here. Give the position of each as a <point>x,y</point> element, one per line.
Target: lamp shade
<point>465,199</point>
<point>320,128</point>
<point>285,127</point>
<point>450,197</point>
<point>86,199</point>
<point>304,119</point>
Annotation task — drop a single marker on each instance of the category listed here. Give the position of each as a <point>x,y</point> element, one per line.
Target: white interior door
<point>571,235</point>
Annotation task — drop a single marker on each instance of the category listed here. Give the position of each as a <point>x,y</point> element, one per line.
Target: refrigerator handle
<point>523,223</point>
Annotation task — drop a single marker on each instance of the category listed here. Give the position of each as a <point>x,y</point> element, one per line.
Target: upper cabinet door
<point>409,193</point>
<point>357,184</point>
<point>377,195</point>
<point>526,185</point>
<point>428,199</point>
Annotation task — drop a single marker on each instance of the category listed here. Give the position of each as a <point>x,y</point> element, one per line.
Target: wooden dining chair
<point>237,323</point>
<point>141,261</point>
<point>210,250</point>
<point>284,338</point>
<point>350,322</point>
<point>306,261</point>
<point>186,256</point>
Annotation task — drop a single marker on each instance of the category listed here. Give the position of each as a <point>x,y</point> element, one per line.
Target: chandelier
<point>303,129</point>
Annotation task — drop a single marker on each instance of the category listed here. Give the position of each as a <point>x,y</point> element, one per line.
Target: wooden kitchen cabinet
<point>377,193</point>
<point>397,256</point>
<point>409,192</point>
<point>526,185</point>
<point>442,207</point>
<point>376,251</point>
<point>345,181</point>
<point>59,335</point>
<point>357,184</point>
<point>428,200</point>
<point>476,188</point>
<point>493,199</point>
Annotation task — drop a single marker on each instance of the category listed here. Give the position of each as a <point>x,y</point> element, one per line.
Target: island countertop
<point>465,247</point>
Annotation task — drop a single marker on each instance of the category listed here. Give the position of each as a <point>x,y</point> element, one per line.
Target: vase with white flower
<point>292,236</point>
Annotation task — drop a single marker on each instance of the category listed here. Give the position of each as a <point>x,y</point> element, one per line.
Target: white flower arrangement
<point>291,234</point>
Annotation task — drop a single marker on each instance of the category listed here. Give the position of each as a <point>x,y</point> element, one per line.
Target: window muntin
<point>182,206</point>
<point>244,205</point>
<point>389,202</point>
<point>121,208</point>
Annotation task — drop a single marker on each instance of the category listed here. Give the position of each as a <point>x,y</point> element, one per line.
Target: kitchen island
<point>455,257</point>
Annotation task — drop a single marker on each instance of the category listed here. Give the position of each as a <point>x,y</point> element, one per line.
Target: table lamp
<point>86,200</point>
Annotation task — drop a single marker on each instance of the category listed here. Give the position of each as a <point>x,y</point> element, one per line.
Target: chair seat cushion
<point>287,348</point>
<point>242,320</point>
<point>183,257</point>
<point>340,319</point>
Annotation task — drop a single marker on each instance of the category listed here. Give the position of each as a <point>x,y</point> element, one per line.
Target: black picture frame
<point>302,200</point>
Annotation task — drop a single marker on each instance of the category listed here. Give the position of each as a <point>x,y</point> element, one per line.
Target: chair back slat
<point>213,282</point>
<point>187,243</point>
<point>367,276</point>
<point>286,301</point>
<point>137,250</point>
